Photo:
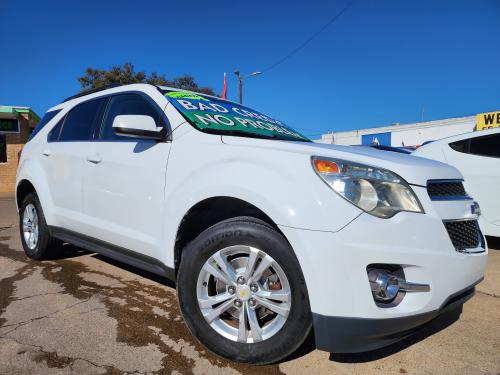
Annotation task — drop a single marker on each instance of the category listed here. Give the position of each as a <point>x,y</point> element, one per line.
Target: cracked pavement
<point>83,313</point>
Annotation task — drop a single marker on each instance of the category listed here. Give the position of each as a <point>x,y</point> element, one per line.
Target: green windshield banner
<point>210,113</point>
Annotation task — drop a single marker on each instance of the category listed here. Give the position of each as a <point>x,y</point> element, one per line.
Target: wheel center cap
<point>243,292</point>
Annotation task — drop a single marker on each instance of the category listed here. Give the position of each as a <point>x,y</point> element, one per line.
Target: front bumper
<point>334,265</point>
<point>354,335</point>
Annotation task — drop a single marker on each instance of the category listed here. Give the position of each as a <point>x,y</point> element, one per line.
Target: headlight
<point>377,191</point>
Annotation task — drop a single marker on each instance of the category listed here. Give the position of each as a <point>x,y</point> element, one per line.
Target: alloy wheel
<point>243,294</point>
<point>30,226</point>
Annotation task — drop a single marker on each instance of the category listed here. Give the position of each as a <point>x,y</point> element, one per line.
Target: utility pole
<point>240,85</point>
<point>240,82</point>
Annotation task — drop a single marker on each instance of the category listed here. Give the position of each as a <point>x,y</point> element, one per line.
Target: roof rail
<point>91,91</point>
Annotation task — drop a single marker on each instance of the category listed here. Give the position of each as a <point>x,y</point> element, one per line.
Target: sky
<point>381,62</point>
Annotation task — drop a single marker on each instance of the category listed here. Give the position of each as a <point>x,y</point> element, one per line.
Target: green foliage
<point>95,78</point>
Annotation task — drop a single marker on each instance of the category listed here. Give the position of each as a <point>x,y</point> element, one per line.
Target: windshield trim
<point>244,134</point>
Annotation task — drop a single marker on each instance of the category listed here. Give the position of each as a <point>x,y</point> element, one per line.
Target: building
<point>16,125</point>
<point>413,134</point>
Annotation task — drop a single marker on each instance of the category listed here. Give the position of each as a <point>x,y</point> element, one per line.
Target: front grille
<point>443,190</point>
<point>464,234</point>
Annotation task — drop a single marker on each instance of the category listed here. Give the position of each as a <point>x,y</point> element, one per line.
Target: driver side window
<point>127,104</point>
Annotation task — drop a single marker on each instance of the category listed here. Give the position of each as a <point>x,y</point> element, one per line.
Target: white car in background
<point>477,156</point>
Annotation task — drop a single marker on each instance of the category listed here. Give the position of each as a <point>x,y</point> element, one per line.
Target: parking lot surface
<point>86,314</point>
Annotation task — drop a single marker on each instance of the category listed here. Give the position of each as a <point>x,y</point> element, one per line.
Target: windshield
<point>213,115</point>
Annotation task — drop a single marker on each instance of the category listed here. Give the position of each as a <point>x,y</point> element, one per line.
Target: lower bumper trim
<point>355,335</point>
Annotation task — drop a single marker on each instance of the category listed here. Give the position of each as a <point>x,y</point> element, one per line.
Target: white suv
<point>266,234</point>
<point>477,156</point>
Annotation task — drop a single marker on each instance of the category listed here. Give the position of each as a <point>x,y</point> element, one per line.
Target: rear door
<point>125,180</point>
<point>63,158</point>
<point>478,159</point>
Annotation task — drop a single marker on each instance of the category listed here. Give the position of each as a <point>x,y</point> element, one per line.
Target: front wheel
<point>242,292</point>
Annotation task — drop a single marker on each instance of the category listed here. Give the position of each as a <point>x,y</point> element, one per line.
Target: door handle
<point>96,158</point>
<point>46,152</point>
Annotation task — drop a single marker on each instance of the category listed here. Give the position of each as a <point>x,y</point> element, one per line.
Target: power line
<point>294,51</point>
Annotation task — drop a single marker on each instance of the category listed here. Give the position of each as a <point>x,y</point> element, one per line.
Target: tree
<point>95,78</point>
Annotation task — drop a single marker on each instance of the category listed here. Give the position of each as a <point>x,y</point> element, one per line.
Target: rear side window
<point>45,119</point>
<point>81,120</point>
<point>56,131</point>
<point>127,104</point>
<point>488,145</point>
<point>461,146</point>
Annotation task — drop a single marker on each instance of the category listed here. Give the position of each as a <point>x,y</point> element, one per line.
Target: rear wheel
<point>35,237</point>
<point>242,292</point>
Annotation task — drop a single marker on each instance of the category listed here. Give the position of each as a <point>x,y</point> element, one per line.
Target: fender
<point>264,180</point>
<point>31,170</point>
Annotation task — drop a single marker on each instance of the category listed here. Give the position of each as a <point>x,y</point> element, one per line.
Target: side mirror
<point>138,126</point>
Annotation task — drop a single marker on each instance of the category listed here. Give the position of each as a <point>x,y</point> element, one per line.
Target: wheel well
<point>23,189</point>
<point>209,212</point>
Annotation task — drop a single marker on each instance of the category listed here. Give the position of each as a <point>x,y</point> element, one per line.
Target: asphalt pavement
<point>86,314</point>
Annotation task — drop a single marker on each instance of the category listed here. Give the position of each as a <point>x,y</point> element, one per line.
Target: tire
<point>231,238</point>
<point>43,246</point>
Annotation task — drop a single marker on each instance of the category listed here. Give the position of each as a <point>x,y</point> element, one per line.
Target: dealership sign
<point>9,125</point>
<point>488,120</point>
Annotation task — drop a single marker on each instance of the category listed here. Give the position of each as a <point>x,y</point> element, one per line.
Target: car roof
<point>82,97</point>
<point>111,89</point>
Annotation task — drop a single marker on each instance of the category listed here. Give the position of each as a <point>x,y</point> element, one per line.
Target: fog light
<point>385,286</point>
<point>389,285</point>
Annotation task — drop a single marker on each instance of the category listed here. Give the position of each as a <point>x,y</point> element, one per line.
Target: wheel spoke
<point>252,259</point>
<point>254,324</point>
<point>217,273</point>
<point>242,327</point>
<point>225,266</point>
<point>263,265</point>
<point>209,301</point>
<point>279,308</point>
<point>214,313</point>
<point>27,213</point>
<point>278,295</point>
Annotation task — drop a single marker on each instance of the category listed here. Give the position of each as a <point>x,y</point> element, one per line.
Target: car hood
<point>415,170</point>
